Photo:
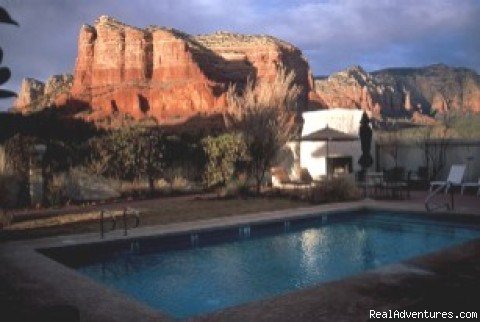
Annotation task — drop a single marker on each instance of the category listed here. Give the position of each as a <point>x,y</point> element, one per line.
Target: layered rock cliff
<point>401,91</point>
<point>34,94</point>
<point>30,92</point>
<point>436,87</point>
<point>166,74</point>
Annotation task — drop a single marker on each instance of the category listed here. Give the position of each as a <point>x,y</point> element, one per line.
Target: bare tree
<point>390,140</point>
<point>264,113</point>
<point>434,142</point>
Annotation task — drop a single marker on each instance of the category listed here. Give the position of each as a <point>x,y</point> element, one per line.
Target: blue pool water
<point>201,273</point>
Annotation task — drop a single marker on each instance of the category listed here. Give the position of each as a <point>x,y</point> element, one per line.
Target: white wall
<point>313,155</point>
<point>342,119</point>
<point>289,159</point>
<point>411,156</point>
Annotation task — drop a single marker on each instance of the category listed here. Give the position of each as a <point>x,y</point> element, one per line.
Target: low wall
<point>411,156</point>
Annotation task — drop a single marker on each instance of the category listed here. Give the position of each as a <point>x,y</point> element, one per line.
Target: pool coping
<point>47,282</point>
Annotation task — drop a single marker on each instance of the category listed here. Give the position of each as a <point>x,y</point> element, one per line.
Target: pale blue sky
<point>332,34</point>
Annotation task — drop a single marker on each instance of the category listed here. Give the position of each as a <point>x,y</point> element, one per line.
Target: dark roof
<point>329,134</point>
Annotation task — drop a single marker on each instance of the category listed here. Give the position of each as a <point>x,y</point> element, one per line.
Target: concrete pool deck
<point>442,280</point>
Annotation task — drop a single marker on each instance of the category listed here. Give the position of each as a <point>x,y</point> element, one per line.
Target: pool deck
<point>443,281</point>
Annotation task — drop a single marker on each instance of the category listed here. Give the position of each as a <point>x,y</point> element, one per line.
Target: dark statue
<point>365,133</point>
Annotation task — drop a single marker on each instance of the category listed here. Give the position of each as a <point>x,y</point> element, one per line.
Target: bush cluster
<point>335,190</point>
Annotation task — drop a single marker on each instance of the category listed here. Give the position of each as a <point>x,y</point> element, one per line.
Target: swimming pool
<point>191,274</point>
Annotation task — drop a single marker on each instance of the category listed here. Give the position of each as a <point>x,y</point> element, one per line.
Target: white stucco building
<point>309,152</point>
<point>343,152</point>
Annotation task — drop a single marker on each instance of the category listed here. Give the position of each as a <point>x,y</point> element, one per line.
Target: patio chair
<point>282,180</point>
<point>371,181</point>
<point>396,186</point>
<point>455,178</point>
<point>471,184</point>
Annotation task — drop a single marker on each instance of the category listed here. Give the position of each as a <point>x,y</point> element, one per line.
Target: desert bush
<point>19,155</point>
<point>183,156</point>
<point>162,184</point>
<point>83,186</point>
<point>305,176</point>
<point>10,188</point>
<point>235,188</point>
<point>78,185</point>
<point>180,184</point>
<point>335,190</point>
<point>170,173</point>
<point>18,150</point>
<point>265,115</point>
<point>223,153</point>
<point>466,125</point>
<point>129,154</point>
<point>56,190</point>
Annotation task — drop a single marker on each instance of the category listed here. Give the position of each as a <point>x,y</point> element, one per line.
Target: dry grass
<point>154,212</point>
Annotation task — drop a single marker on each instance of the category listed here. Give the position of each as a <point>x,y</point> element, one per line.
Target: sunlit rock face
<point>167,74</point>
<point>35,95</point>
<point>30,91</point>
<point>354,88</point>
<point>435,87</point>
<point>401,91</point>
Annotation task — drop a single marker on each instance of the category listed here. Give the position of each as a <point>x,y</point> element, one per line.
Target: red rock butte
<point>167,74</point>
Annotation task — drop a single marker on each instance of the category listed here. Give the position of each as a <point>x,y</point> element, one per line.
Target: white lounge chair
<point>455,178</point>
<point>471,184</point>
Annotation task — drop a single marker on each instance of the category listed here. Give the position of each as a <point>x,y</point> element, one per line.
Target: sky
<point>332,35</point>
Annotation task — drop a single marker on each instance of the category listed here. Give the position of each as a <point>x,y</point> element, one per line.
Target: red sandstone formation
<point>34,94</point>
<point>170,76</point>
<point>436,87</point>
<point>355,88</point>
<point>167,74</point>
<point>30,90</point>
<point>402,91</point>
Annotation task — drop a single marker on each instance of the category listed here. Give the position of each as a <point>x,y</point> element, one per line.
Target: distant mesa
<point>35,95</point>
<point>401,91</point>
<point>167,75</point>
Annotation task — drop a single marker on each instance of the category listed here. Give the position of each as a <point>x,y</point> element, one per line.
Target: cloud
<point>332,34</point>
<point>338,33</point>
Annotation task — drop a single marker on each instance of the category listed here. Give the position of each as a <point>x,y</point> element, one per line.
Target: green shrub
<point>223,154</point>
<point>131,153</point>
<point>56,190</point>
<point>18,152</point>
<point>174,172</point>
<point>234,188</point>
<point>183,156</point>
<point>10,189</point>
<point>335,190</point>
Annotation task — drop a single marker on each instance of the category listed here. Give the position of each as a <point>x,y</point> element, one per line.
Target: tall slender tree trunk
<point>151,184</point>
